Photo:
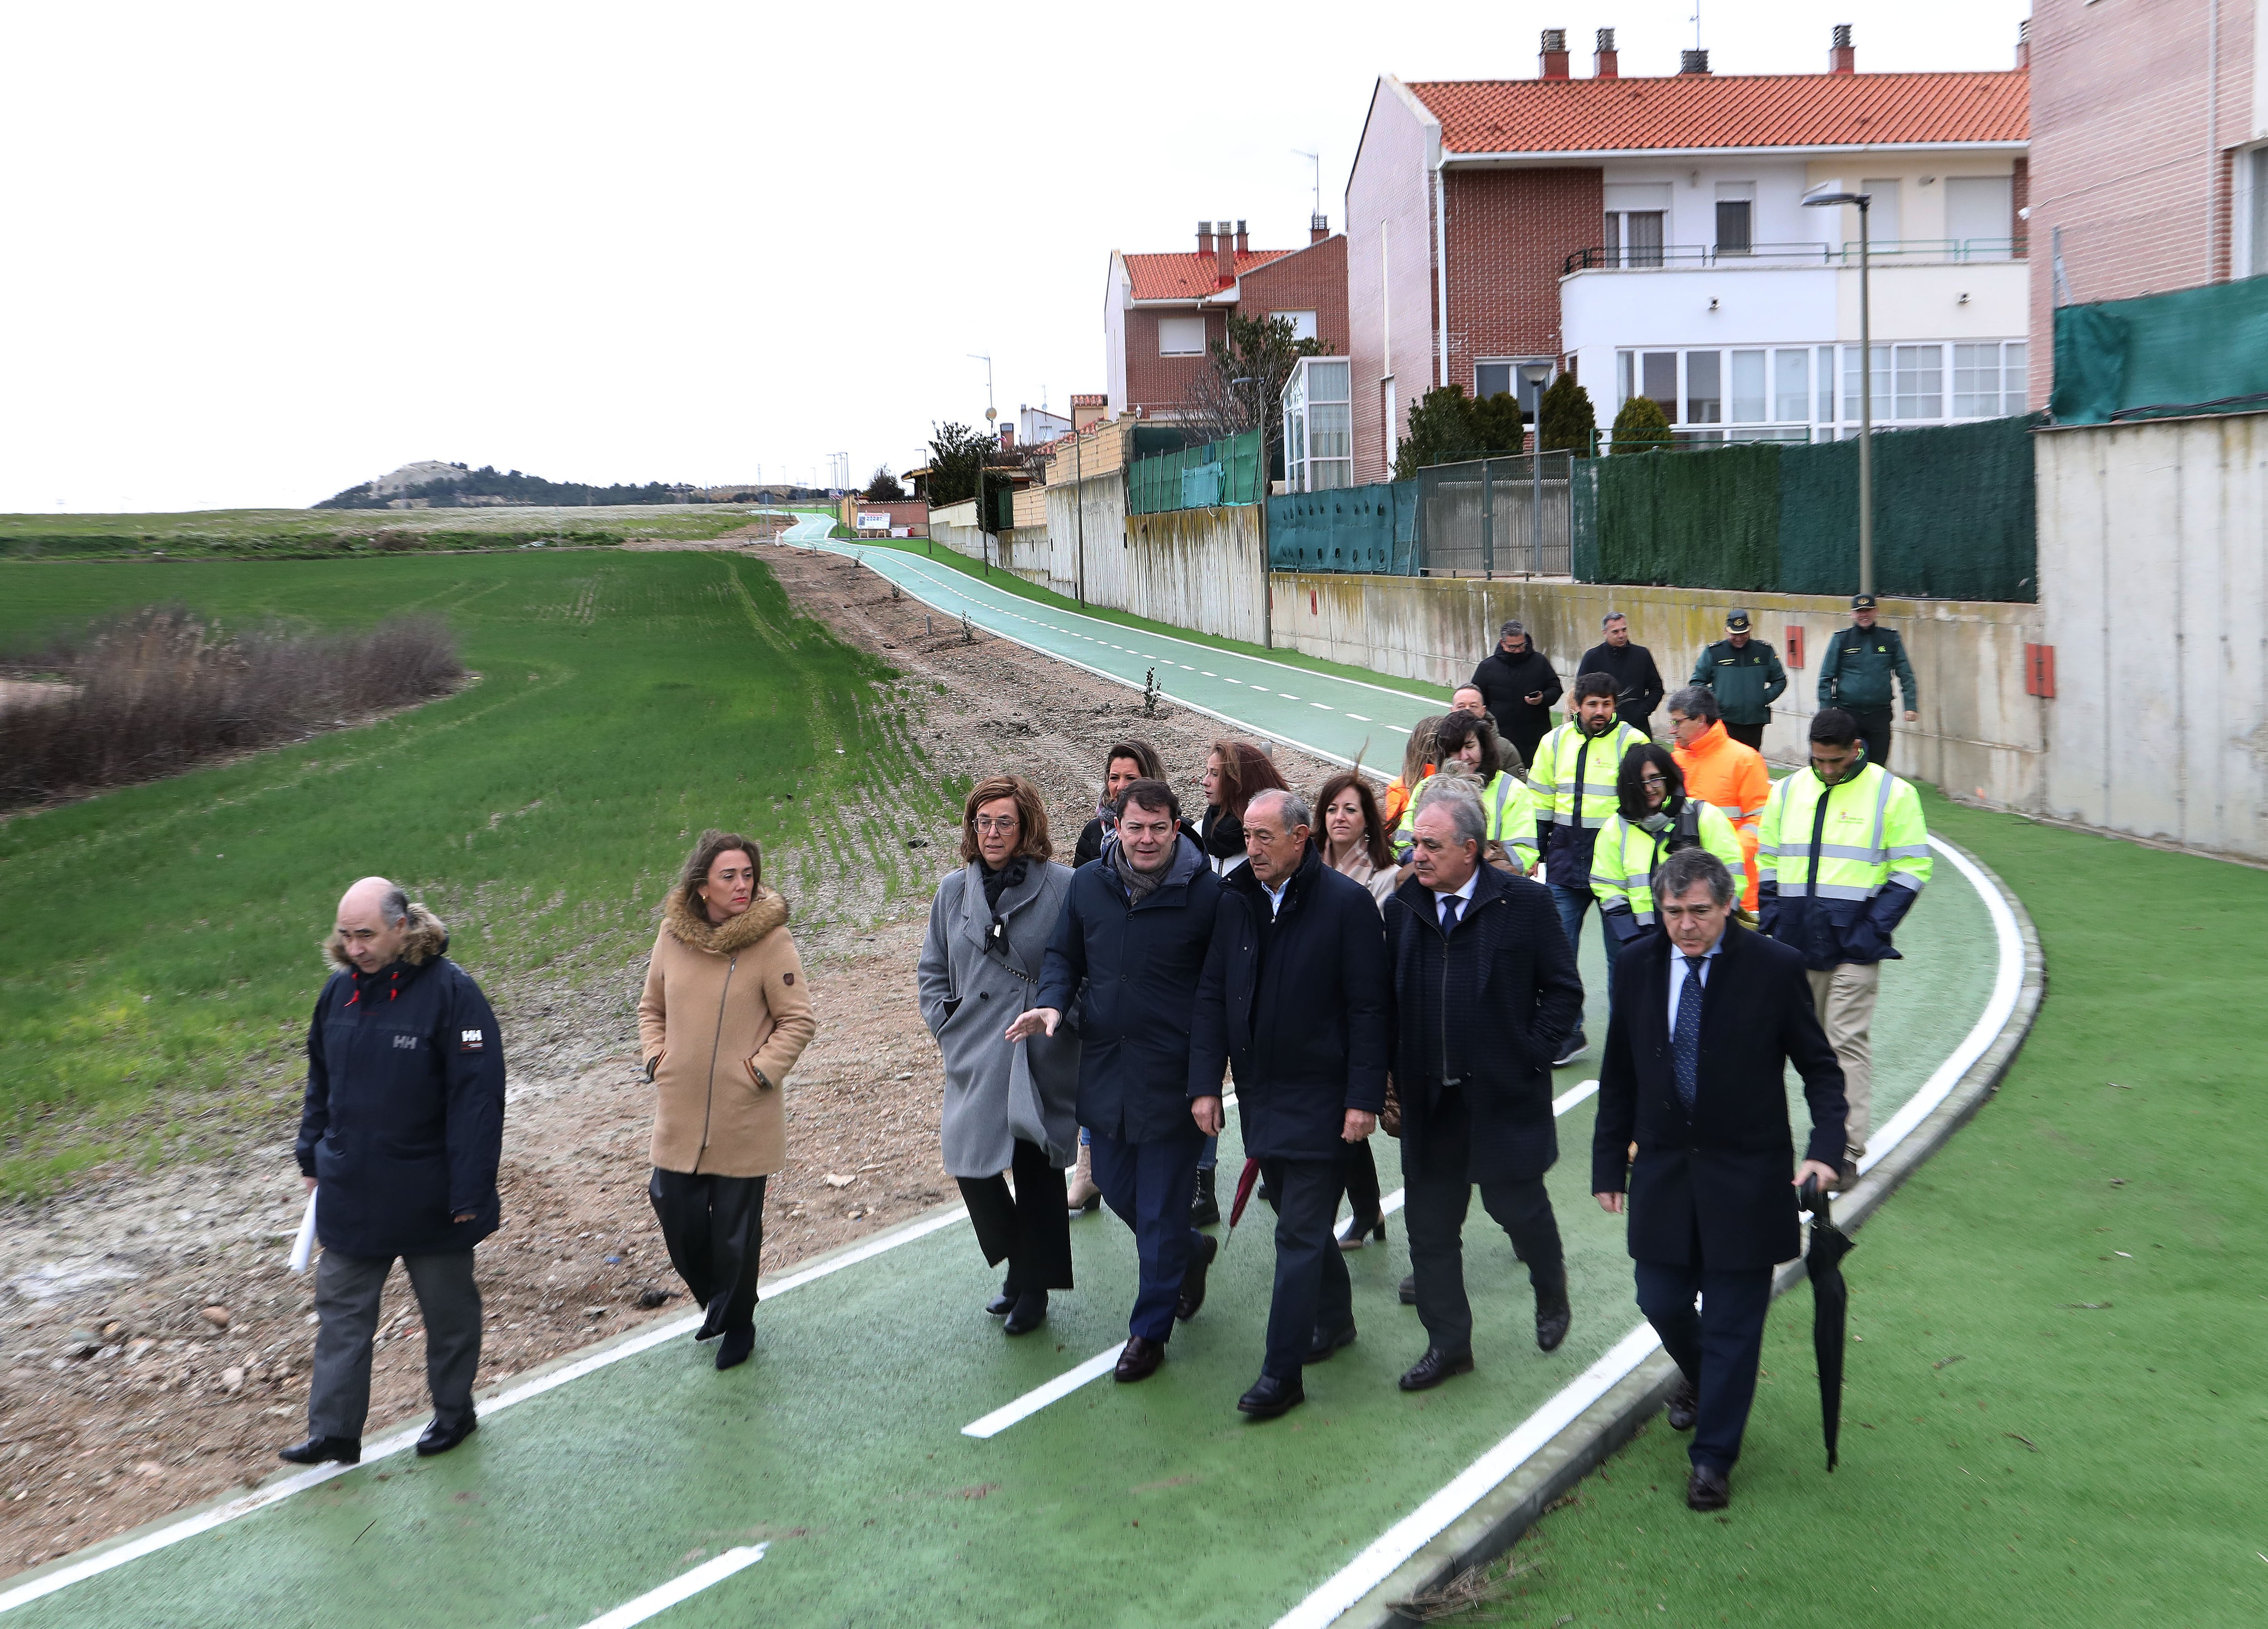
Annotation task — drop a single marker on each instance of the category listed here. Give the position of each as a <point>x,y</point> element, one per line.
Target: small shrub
<point>1566,417</point>
<point>1641,426</point>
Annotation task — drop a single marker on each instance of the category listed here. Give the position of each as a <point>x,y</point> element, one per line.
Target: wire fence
<point>1233,471</point>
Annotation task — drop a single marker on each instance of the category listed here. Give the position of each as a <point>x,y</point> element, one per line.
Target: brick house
<point>2149,155</point>
<point>1161,312</point>
<point>1649,234</point>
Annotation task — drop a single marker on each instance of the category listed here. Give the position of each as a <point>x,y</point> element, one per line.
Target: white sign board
<point>868,522</point>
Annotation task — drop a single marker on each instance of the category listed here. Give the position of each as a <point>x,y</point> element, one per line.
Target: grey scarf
<point>1140,884</point>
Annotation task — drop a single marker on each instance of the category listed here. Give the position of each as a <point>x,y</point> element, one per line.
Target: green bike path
<point>834,1480</point>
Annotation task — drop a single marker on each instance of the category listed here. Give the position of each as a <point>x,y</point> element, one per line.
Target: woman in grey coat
<point>1008,1106</point>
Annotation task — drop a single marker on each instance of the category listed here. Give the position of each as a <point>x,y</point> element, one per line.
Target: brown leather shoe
<point>1707,1490</point>
<point>1139,1360</point>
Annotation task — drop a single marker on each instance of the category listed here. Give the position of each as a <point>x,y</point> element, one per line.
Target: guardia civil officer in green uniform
<point>1856,673</point>
<point>1745,674</point>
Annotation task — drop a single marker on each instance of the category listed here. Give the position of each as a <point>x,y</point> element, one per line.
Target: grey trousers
<point>346,1300</point>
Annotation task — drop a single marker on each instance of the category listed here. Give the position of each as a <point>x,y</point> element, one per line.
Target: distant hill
<point>431,484</point>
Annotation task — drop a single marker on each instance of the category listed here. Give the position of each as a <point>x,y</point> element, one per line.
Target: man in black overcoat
<point>1129,948</point>
<point>1517,681</point>
<point>1484,992</point>
<point>400,1134</point>
<point>1294,997</point>
<point>1706,1016</point>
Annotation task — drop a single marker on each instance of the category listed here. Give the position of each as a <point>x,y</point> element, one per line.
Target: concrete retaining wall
<point>1979,735</point>
<point>1198,568</point>
<point>2154,587</point>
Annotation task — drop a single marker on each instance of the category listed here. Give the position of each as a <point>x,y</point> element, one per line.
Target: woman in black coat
<point>1126,763</point>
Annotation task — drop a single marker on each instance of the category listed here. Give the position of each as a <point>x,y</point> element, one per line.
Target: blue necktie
<point>1685,1043</point>
<point>1449,903</point>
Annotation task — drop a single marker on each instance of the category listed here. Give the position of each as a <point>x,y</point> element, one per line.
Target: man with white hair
<point>1294,997</point>
<point>400,1135</point>
<point>1486,991</point>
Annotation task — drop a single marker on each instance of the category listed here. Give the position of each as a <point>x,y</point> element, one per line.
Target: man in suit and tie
<point>1706,1016</point>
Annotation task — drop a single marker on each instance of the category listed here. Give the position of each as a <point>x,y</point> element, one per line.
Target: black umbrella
<point>1830,1309</point>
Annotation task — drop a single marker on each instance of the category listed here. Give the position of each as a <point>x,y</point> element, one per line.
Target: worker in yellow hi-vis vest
<point>1842,855</point>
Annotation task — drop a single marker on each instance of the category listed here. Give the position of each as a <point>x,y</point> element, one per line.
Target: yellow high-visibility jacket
<point>1838,866</point>
<point>1510,817</point>
<point>1569,810</point>
<point>1626,856</point>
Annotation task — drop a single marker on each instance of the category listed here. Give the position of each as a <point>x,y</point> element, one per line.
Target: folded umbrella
<point>1830,1310</point>
<point>1244,1181</point>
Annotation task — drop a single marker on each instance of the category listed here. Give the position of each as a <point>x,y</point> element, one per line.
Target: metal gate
<point>1498,517</point>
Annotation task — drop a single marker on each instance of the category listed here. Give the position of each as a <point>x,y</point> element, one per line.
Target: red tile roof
<point>1711,110</point>
<point>1189,274</point>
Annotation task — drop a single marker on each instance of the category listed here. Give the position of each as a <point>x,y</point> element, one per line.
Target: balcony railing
<point>1894,250</point>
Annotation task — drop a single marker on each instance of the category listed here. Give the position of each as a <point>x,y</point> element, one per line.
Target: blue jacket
<point>402,1124</point>
<point>1133,971</point>
<point>1300,1005</point>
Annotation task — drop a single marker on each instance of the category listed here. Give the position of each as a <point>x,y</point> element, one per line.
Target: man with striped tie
<point>1707,1015</point>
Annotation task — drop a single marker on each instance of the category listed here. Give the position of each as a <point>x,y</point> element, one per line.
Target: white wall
<point>1779,216</point>
<point>1923,302</point>
<point>2153,578</point>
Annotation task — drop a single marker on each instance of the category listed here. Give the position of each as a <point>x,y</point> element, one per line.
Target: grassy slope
<point>289,532</point>
<point>158,935</point>
<point>2130,1123</point>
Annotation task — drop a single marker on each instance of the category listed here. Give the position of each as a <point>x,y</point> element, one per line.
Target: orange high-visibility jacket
<point>1721,771</point>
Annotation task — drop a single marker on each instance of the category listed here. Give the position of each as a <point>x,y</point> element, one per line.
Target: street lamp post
<point>1866,388</point>
<point>1538,374</point>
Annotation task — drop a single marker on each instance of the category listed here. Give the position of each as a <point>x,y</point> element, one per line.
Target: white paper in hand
<point>303,1248</point>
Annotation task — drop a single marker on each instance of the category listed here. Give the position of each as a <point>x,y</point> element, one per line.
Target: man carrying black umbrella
<point>1707,1015</point>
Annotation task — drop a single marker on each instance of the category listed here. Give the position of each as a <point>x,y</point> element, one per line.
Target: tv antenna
<point>1316,159</point>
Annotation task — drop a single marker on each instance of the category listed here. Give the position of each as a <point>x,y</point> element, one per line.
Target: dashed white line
<point>1358,718</point>
<point>684,1586</point>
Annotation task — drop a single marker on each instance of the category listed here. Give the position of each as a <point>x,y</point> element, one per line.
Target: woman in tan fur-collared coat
<point>726,1012</point>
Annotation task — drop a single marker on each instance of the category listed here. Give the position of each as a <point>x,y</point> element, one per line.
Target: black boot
<point>1552,1313</point>
<point>1030,1312</point>
<point>1206,1210</point>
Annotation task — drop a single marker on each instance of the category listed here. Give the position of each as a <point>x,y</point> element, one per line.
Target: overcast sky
<point>257,253</point>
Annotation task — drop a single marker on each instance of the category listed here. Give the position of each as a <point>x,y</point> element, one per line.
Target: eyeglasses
<point>1003,826</point>
<point>1653,780</point>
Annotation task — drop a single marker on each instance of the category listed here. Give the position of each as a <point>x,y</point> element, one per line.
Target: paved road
<point>1337,718</point>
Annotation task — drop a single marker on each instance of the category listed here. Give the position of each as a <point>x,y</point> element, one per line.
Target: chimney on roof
<point>1551,61</point>
<point>1204,237</point>
<point>1690,61</point>
<point>1319,227</point>
<point>1605,64</point>
<point>1224,245</point>
<point>1841,58</point>
<point>2024,43</point>
<point>1007,438</point>
<point>1243,239</point>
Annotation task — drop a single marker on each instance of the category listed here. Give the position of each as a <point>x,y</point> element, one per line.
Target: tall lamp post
<point>1538,375</point>
<point>1866,388</point>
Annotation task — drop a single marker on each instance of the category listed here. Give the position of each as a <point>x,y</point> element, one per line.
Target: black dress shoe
<point>439,1439</point>
<point>1001,1305</point>
<point>316,1450</point>
<point>1684,1405</point>
<point>1552,1317</point>
<point>1193,1280</point>
<point>1707,1490</point>
<point>712,1323</point>
<point>1270,1396</point>
<point>1358,1232</point>
<point>1326,1342</point>
<point>1434,1367</point>
<point>1029,1311</point>
<point>1408,1291</point>
<point>738,1344</point>
<point>1140,1360</point>
<point>1204,1209</point>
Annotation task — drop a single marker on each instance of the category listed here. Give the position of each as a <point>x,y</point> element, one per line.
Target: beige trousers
<point>1843,998</point>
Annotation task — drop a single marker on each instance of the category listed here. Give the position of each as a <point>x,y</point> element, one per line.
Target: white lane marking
<point>714,1570</point>
<point>1326,706</point>
<point>1414,1531</point>
<point>1287,696</point>
<point>1063,1384</point>
<point>1358,718</point>
<point>276,1493</point>
<point>1208,673</point>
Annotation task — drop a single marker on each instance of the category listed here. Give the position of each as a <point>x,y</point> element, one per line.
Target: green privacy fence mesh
<point>1954,516</point>
<point>2194,351</point>
<point>1233,471</point>
<point>1355,528</point>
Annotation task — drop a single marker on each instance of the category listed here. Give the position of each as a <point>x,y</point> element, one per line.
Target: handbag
<point>1390,1117</point>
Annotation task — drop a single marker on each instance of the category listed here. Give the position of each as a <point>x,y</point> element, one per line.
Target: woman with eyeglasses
<point>1654,820</point>
<point>1009,1106</point>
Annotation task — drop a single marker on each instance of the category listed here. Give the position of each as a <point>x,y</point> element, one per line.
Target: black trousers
<point>1029,1228</point>
<point>1311,1290</point>
<point>1437,1193</point>
<point>1747,734</point>
<point>1874,729</point>
<point>1717,1348</point>
<point>1359,1171</point>
<point>714,1226</point>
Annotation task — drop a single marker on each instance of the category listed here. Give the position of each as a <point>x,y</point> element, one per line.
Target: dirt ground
<point>153,1345</point>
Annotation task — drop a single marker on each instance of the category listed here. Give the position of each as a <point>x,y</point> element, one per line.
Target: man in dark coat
<point>1294,997</point>
<point>1517,683</point>
<point>1484,992</point>
<point>400,1134</point>
<point>1639,688</point>
<point>1855,675</point>
<point>1129,947</point>
<point>1747,677</point>
<point>1708,1015</point>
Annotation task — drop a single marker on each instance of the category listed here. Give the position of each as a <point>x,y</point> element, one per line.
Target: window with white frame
<point>1508,376</point>
<point>1635,213</point>
<point>1736,210</point>
<point>1303,322</point>
<point>1803,392</point>
<point>1181,337</point>
<point>1319,425</point>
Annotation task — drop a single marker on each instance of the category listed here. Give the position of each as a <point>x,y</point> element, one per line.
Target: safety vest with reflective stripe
<point>1551,776</point>
<point>1510,816</point>
<point>1848,841</point>
<point>1625,858</point>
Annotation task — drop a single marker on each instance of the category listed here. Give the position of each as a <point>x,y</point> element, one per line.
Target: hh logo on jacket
<point>405,1043</point>
<point>468,1040</point>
